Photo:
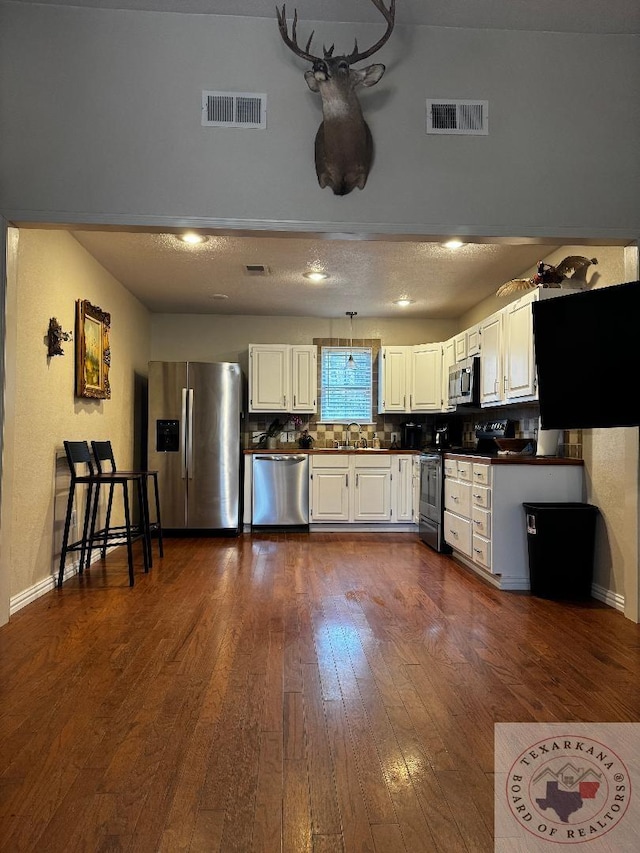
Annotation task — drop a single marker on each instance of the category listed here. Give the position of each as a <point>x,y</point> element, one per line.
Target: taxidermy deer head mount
<point>344,147</point>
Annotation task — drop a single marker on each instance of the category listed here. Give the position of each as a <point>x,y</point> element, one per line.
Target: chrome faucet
<point>348,430</point>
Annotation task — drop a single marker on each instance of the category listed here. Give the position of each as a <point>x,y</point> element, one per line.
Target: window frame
<point>349,418</point>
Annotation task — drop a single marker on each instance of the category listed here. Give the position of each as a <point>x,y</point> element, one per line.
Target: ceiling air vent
<point>454,116</point>
<point>256,269</point>
<point>234,109</point>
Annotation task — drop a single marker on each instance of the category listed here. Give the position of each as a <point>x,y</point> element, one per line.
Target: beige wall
<point>52,272</point>
<point>210,337</point>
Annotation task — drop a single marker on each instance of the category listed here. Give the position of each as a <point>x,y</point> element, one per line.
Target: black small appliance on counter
<point>411,436</point>
<point>447,435</point>
<point>487,432</point>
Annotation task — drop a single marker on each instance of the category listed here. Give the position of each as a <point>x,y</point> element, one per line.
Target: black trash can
<point>560,540</point>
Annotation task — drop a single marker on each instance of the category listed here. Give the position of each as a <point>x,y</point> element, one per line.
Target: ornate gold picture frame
<point>93,355</point>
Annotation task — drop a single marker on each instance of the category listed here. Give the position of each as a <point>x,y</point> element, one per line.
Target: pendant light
<point>351,362</point>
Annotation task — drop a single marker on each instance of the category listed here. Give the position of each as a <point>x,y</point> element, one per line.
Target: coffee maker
<point>411,436</point>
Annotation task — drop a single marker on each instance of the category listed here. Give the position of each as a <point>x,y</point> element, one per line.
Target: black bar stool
<point>103,453</point>
<point>78,454</point>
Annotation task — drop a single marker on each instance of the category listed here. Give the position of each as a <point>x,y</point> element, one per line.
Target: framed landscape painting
<point>93,354</point>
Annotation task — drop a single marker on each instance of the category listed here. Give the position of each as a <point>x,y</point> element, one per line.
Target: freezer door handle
<point>190,438</point>
<point>183,436</point>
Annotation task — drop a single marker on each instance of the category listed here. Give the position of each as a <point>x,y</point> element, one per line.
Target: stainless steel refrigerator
<point>194,443</point>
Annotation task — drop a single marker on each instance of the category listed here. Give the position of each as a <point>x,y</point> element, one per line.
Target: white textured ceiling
<point>168,275</point>
<point>582,16</point>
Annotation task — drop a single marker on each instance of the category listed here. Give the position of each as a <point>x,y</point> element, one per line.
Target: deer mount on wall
<point>344,146</point>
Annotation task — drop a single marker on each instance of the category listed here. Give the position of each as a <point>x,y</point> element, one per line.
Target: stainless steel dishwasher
<point>280,490</point>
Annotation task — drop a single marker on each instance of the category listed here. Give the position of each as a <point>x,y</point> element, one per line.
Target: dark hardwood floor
<point>320,692</point>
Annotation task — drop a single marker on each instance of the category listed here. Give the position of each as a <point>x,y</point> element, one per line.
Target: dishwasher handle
<point>284,458</point>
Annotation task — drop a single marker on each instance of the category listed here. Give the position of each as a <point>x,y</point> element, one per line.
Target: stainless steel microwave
<point>464,382</point>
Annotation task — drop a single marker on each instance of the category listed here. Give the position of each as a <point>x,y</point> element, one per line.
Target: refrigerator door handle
<point>190,437</point>
<point>183,436</point>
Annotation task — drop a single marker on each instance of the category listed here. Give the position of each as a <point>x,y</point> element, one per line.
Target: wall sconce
<point>55,337</point>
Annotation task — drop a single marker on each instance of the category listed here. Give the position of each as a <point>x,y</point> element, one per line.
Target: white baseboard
<point>42,587</point>
<point>607,596</point>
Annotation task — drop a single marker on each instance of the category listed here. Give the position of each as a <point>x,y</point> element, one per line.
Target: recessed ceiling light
<point>403,301</point>
<point>192,238</point>
<point>454,244</point>
<point>218,296</point>
<point>316,275</point>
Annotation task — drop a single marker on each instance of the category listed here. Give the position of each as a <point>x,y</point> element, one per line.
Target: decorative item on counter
<point>573,268</point>
<point>270,438</point>
<point>55,337</point>
<point>305,441</point>
<point>376,441</point>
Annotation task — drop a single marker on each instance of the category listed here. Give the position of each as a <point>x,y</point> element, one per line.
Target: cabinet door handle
<point>357,480</point>
<point>346,480</point>
<point>285,401</point>
<point>453,533</point>
<point>294,401</point>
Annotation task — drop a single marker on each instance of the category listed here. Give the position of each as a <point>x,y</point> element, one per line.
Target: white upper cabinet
<point>460,344</point>
<point>282,378</point>
<point>304,378</point>
<point>426,380</point>
<point>491,370</point>
<point>410,379</point>
<point>393,382</point>
<point>473,341</point>
<point>448,359</point>
<point>519,356</point>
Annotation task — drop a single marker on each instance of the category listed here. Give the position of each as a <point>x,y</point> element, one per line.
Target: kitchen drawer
<point>481,519</point>
<point>482,551</point>
<point>457,497</point>
<point>369,460</point>
<point>481,496</point>
<point>329,460</point>
<point>450,468</point>
<point>481,474</point>
<point>457,533</point>
<point>464,471</point>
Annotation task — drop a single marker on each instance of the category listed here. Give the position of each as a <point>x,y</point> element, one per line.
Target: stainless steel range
<point>430,527</point>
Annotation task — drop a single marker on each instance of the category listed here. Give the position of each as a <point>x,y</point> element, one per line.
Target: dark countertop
<point>325,450</point>
<point>512,459</point>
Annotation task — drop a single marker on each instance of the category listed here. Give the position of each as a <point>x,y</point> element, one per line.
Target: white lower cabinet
<point>484,521</point>
<point>403,488</point>
<point>330,493</point>
<point>350,488</point>
<point>363,488</point>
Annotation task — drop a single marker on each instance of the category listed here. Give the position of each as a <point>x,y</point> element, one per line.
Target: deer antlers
<point>354,56</point>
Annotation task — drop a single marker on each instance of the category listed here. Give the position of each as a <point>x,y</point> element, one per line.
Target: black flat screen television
<point>587,350</point>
